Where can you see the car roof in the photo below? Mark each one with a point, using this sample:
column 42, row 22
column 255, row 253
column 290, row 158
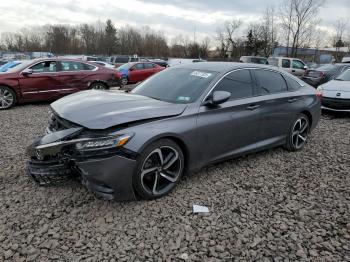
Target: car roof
column 223, row 67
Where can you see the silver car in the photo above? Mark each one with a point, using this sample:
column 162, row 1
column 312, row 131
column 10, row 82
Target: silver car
column 336, row 93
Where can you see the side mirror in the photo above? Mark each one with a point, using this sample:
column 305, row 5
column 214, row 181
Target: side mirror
column 27, row 71
column 305, row 67
column 131, row 69
column 217, row 98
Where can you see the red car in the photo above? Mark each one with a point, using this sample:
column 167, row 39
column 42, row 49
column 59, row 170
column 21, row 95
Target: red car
column 51, row 78
column 137, row 71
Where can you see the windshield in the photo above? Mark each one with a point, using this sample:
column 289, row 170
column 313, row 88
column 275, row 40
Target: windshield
column 20, row 66
column 345, row 76
column 9, row 65
column 176, row 85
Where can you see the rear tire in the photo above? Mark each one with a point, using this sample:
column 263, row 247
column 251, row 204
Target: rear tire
column 159, row 169
column 124, row 81
column 98, row 86
column 7, row 98
column 298, row 133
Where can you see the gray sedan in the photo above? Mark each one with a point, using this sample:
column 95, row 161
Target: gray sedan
column 139, row 145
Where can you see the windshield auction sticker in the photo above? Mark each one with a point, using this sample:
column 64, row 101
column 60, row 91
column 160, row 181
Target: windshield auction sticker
column 200, row 74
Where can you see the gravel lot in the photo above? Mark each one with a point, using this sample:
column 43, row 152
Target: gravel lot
column 273, row 205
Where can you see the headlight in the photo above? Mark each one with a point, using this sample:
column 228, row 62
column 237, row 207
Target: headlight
column 102, row 143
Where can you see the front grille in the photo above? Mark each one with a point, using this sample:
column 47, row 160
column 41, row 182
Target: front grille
column 336, row 103
column 45, row 174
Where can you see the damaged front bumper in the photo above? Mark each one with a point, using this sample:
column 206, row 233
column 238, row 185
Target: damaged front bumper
column 106, row 172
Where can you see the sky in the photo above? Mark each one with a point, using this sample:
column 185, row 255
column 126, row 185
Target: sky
column 170, row 17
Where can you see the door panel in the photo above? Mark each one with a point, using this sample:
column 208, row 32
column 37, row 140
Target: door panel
column 298, row 67
column 228, row 130
column 39, row 86
column 137, row 74
column 277, row 106
column 42, row 84
column 71, row 76
column 232, row 127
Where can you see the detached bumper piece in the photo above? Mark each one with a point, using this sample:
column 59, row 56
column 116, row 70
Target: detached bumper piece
column 48, row 174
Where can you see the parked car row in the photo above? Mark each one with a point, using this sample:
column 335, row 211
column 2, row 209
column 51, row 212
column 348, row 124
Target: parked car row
column 324, row 73
column 51, row 78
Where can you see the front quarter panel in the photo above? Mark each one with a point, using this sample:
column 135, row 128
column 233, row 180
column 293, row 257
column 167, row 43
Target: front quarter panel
column 180, row 128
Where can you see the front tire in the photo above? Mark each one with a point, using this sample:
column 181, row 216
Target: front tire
column 298, row 133
column 98, row 86
column 7, row 98
column 159, row 169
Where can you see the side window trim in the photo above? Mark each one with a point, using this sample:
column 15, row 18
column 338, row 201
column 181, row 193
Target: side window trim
column 223, row 76
column 53, row 72
column 253, row 83
column 270, row 70
column 64, row 71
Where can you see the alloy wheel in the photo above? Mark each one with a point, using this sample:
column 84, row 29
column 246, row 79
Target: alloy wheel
column 160, row 170
column 98, row 87
column 124, row 81
column 300, row 132
column 6, row 98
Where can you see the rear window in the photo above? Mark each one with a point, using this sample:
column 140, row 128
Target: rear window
column 121, row 60
column 328, row 67
column 262, row 61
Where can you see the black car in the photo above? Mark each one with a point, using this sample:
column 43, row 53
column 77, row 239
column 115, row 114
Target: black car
column 324, row 73
column 139, row 145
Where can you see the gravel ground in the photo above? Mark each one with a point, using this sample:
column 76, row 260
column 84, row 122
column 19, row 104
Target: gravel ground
column 270, row 206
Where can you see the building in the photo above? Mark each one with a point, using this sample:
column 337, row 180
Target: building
column 321, row 55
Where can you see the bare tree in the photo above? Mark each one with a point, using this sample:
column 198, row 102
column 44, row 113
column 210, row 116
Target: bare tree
column 338, row 38
column 227, row 37
column 297, row 20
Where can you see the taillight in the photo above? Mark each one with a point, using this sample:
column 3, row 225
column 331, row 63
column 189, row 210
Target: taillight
column 118, row 76
column 319, row 94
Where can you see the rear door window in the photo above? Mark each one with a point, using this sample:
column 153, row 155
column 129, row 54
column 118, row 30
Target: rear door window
column 270, row 82
column 238, row 83
column 149, row 65
column 138, row 66
column 285, row 63
column 71, row 66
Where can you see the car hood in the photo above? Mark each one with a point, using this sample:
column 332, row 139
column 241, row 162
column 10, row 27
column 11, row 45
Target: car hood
column 95, row 109
column 336, row 85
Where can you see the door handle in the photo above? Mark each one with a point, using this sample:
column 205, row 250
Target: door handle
column 292, row 100
column 252, row 107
